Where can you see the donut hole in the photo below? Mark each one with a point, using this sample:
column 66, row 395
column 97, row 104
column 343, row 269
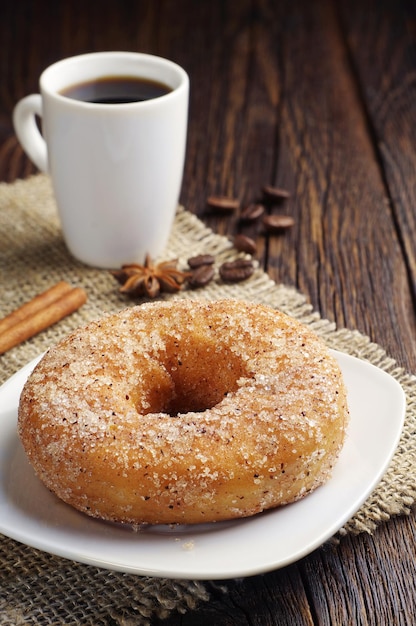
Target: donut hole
column 200, row 374
column 201, row 377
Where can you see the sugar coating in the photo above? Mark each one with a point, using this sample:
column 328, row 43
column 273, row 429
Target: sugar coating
column 185, row 412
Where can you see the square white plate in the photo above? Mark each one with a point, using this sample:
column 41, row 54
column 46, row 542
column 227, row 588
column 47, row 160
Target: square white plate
column 32, row 515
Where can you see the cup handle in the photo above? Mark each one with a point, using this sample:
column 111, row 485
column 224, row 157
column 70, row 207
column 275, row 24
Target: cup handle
column 27, row 130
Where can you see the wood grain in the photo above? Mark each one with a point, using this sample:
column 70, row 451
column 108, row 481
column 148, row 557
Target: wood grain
column 319, row 98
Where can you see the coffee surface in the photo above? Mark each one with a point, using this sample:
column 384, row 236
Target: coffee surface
column 116, row 90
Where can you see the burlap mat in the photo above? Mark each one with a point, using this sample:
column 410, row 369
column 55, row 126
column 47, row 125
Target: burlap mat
column 37, row 588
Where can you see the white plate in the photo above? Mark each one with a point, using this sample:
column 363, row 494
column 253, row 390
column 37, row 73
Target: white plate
column 30, row 514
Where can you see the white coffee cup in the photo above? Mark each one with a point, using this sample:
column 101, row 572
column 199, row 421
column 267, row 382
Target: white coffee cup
column 116, row 169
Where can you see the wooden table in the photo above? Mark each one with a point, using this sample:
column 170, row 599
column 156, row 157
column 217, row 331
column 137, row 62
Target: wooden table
column 318, row 97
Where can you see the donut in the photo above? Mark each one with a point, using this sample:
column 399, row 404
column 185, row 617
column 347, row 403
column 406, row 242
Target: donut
column 184, row 412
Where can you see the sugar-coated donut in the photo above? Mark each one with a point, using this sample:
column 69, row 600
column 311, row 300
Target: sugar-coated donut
column 184, row 411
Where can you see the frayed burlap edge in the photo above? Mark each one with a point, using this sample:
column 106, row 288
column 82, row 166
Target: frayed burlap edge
column 32, row 258
column 38, row 588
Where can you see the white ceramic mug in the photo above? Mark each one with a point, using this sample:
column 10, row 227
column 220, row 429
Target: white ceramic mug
column 116, row 169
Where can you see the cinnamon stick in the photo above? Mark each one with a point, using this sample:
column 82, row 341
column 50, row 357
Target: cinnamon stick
column 42, row 318
column 36, row 304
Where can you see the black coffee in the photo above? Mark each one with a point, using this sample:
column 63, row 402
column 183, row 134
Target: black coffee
column 116, row 90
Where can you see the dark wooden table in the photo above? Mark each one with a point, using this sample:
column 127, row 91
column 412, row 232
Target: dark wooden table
column 318, row 97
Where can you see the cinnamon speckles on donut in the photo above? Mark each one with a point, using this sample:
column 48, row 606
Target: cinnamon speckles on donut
column 185, row 412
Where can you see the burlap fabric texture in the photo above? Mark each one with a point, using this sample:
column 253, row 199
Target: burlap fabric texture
column 37, row 588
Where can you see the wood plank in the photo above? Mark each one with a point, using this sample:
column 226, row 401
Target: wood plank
column 385, row 69
column 374, row 591
column 344, row 242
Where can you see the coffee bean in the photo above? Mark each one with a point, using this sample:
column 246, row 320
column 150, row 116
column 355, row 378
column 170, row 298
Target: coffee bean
column 252, row 212
column 223, row 203
column 243, row 243
column 201, row 276
column 236, row 271
column 277, row 223
column 275, row 193
column 200, row 259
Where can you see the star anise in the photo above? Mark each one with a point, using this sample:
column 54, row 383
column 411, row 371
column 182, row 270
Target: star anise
column 150, row 279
